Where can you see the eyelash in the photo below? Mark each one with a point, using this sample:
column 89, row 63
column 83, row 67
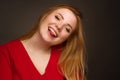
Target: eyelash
column 57, row 17
column 68, row 30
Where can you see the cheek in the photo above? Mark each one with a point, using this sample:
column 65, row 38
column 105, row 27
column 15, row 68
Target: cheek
column 64, row 36
column 50, row 19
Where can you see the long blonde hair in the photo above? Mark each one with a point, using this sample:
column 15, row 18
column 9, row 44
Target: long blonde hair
column 72, row 59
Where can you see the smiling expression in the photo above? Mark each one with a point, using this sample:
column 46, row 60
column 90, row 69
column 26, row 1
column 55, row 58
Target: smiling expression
column 56, row 27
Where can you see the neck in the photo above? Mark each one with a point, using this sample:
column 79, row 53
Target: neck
column 37, row 44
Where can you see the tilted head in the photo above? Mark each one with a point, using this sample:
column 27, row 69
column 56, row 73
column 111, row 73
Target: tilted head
column 73, row 20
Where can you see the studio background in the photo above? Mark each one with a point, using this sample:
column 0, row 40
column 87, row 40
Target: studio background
column 100, row 24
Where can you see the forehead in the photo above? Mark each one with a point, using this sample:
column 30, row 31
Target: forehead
column 64, row 11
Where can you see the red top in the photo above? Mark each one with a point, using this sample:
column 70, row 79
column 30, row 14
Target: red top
column 15, row 64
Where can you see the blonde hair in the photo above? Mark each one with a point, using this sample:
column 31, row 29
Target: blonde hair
column 72, row 59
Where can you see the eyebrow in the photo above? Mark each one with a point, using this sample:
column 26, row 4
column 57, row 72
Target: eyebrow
column 63, row 19
column 61, row 15
column 69, row 26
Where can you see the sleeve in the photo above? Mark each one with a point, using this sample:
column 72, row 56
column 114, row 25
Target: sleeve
column 5, row 66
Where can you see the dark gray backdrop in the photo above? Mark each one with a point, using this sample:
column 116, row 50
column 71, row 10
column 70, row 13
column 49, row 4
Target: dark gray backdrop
column 101, row 27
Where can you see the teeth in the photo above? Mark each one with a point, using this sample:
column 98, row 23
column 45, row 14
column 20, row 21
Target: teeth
column 55, row 35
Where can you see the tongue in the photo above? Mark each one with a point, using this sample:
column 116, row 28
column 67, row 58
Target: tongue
column 51, row 33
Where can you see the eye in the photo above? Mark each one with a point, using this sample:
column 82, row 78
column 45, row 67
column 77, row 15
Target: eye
column 56, row 16
column 68, row 30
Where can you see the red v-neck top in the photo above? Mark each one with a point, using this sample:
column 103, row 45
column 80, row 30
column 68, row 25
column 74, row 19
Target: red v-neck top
column 15, row 64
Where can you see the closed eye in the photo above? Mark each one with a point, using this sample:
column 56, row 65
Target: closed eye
column 68, row 30
column 57, row 17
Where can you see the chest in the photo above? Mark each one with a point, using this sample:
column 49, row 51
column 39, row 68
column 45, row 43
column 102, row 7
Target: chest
column 42, row 68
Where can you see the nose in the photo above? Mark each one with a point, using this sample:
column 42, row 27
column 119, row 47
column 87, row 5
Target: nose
column 59, row 27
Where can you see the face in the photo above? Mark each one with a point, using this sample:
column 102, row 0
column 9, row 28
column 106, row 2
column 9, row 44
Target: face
column 57, row 26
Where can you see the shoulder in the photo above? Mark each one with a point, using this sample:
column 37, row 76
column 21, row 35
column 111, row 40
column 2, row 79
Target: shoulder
column 9, row 45
column 9, row 49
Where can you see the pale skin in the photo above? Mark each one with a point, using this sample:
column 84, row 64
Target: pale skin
column 53, row 30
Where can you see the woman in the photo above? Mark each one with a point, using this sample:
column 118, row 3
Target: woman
column 52, row 50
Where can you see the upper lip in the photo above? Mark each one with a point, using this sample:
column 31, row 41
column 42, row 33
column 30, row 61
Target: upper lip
column 55, row 32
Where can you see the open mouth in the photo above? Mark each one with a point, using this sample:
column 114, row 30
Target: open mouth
column 52, row 32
